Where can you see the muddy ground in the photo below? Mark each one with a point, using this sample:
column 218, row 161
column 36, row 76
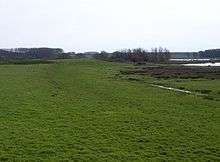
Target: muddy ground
column 176, row 72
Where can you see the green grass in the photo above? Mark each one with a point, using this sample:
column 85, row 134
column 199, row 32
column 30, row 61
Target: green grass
column 25, row 62
column 78, row 110
column 208, row 87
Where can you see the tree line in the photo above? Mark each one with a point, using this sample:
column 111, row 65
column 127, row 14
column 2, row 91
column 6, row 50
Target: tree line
column 31, row 53
column 127, row 55
column 137, row 55
column 155, row 55
column 212, row 54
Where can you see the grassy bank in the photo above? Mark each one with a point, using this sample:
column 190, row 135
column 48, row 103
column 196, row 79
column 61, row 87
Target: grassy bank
column 80, row 110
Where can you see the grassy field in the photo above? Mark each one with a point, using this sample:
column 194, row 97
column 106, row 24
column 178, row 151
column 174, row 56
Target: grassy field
column 80, row 110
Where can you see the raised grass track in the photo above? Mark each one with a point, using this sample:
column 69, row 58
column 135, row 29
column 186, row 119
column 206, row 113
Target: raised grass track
column 78, row 110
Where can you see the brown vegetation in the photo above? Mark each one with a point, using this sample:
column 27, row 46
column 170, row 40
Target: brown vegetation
column 177, row 72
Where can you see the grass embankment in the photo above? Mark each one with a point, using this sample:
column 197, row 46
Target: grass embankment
column 80, row 110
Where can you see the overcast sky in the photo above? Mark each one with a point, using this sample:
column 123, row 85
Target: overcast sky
column 87, row 25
